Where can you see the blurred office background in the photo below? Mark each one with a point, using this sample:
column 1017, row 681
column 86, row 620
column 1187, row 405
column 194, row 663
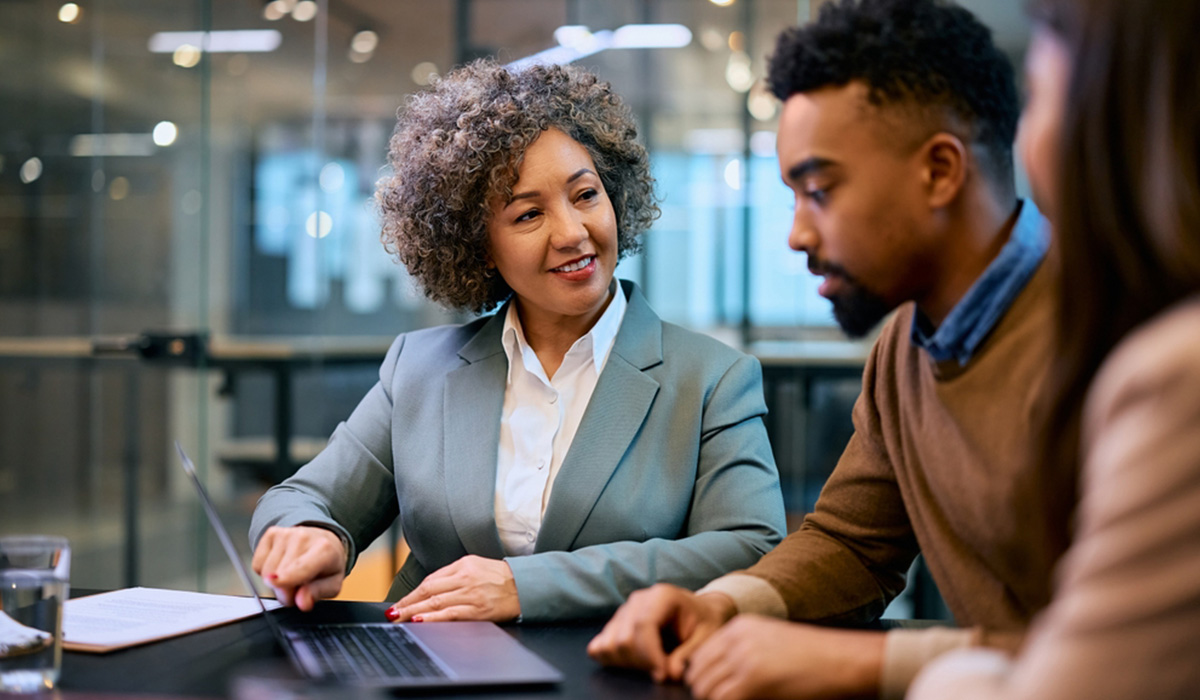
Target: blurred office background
column 188, row 248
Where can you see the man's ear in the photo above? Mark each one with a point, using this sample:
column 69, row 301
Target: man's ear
column 946, row 160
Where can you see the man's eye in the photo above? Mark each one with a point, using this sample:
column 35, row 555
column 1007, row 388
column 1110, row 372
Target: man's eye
column 817, row 195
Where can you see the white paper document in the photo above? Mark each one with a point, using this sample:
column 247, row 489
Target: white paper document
column 131, row 616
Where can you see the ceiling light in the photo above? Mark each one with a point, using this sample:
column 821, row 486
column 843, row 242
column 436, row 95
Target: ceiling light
column 576, row 42
column 321, row 230
column 87, row 145
column 714, row 142
column 424, row 73
column 31, row 170
column 165, row 133
column 577, row 37
column 762, row 144
column 364, row 41
column 651, row 36
column 761, row 104
column 722, row 3
column 231, row 41
column 712, row 39
column 304, row 10
column 332, row 177
column 277, row 9
column 186, row 56
column 273, row 11
column 68, row 13
column 733, row 174
column 118, row 189
column 738, row 72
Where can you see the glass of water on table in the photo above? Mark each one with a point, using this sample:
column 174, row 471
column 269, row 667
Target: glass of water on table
column 34, row 582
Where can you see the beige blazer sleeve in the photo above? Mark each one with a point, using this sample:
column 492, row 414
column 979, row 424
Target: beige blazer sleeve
column 1125, row 619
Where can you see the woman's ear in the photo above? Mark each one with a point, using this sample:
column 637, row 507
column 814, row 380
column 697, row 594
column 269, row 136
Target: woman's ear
column 945, row 168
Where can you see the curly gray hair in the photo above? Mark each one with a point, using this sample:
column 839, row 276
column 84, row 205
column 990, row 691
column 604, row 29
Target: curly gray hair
column 458, row 147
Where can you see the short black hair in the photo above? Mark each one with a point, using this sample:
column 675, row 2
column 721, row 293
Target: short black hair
column 923, row 53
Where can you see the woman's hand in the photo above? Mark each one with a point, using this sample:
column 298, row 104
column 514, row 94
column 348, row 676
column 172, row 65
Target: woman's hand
column 472, row 588
column 302, row 564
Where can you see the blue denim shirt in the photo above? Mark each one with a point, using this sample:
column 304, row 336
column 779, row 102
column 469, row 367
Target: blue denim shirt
column 976, row 314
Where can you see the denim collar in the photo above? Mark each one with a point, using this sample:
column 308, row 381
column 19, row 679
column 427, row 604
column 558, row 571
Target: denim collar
column 980, row 309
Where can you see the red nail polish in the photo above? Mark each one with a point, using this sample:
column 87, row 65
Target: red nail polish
column 392, row 614
column 418, row 618
column 272, row 576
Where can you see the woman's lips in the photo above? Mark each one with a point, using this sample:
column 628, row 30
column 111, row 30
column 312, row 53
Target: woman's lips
column 577, row 275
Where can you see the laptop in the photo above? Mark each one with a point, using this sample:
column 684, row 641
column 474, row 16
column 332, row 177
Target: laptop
column 392, row 655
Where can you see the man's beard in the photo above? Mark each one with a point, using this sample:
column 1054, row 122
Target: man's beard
column 858, row 310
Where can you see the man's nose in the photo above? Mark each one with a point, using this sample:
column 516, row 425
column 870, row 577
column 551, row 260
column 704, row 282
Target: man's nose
column 803, row 236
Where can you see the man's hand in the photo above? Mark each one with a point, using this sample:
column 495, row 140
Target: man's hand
column 303, row 564
column 760, row 657
column 472, row 588
column 633, row 637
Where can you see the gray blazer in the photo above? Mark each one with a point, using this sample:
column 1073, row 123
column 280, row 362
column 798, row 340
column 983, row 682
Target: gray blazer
column 670, row 476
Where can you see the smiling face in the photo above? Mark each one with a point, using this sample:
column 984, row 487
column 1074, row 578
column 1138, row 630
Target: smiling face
column 555, row 241
column 1047, row 68
column 859, row 202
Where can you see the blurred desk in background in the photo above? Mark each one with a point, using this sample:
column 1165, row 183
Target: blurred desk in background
column 810, row 388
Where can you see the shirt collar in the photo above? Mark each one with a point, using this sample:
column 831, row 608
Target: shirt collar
column 980, row 309
column 597, row 342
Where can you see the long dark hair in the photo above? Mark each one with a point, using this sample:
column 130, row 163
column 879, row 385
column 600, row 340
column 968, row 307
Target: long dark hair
column 1127, row 228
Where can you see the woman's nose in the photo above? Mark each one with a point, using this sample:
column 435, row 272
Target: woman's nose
column 570, row 231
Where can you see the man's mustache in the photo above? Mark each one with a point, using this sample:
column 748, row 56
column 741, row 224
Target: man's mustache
column 825, row 268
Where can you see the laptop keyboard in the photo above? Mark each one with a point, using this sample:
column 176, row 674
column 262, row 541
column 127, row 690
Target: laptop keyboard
column 370, row 653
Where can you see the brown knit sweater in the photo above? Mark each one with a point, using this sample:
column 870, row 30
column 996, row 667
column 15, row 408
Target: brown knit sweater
column 939, row 463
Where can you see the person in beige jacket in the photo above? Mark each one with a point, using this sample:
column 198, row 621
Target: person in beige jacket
column 1111, row 138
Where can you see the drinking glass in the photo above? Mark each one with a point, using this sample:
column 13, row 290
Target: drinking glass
column 34, row 582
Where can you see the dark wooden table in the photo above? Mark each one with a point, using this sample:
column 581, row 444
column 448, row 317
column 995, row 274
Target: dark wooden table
column 207, row 664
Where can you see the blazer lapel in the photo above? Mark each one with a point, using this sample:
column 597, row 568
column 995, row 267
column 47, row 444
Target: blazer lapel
column 472, row 405
column 618, row 407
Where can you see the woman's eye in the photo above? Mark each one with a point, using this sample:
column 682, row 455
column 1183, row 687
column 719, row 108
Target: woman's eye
column 588, row 194
column 527, row 216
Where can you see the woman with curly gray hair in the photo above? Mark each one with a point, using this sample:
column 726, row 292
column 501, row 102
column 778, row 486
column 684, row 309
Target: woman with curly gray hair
column 549, row 459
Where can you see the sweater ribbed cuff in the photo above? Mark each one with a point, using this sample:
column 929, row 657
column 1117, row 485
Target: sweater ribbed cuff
column 750, row 594
column 905, row 652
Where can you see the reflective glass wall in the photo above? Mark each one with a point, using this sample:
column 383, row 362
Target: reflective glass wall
column 188, row 249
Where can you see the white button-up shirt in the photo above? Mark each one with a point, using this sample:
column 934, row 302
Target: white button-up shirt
column 540, row 419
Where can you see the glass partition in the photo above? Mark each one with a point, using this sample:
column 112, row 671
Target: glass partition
column 189, row 251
